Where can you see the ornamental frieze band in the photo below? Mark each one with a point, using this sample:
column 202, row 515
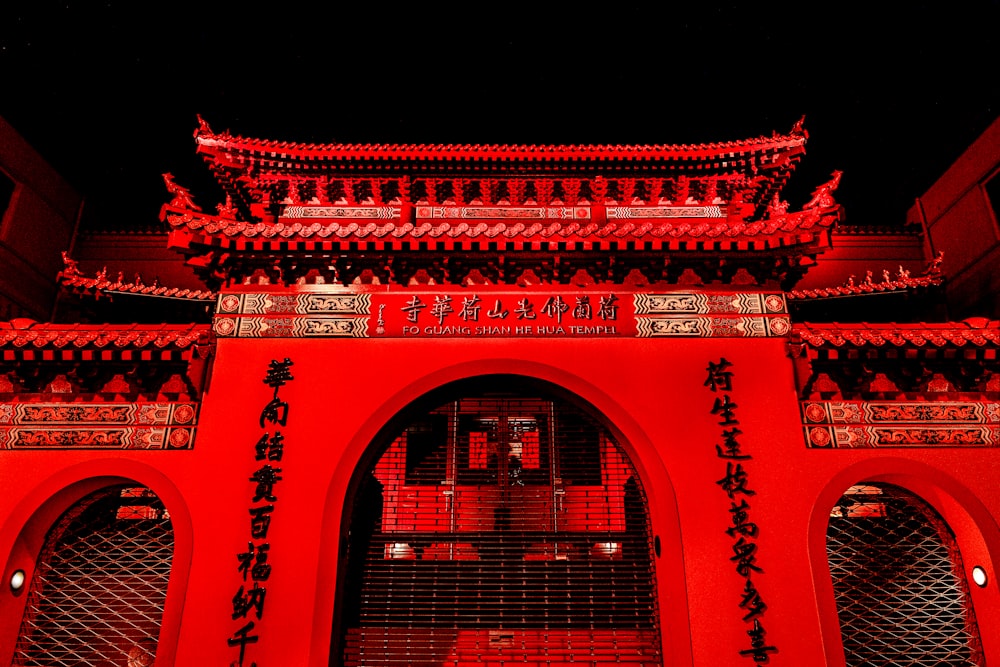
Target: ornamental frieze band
column 103, row 413
column 96, row 438
column 300, row 304
column 702, row 303
column 714, row 327
column 504, row 212
column 97, row 425
column 852, row 424
column 853, row 437
column 343, row 212
column 858, row 412
column 666, row 212
column 291, row 327
column 295, row 212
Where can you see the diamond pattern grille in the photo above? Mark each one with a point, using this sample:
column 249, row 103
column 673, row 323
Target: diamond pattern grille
column 501, row 530
column 97, row 595
column 900, row 589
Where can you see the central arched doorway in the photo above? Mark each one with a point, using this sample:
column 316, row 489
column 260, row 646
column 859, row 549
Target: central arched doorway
column 499, row 521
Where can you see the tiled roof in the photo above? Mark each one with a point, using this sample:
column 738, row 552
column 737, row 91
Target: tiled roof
column 24, row 333
column 266, row 172
column 977, row 332
column 211, row 142
column 898, row 284
column 100, row 284
column 719, row 233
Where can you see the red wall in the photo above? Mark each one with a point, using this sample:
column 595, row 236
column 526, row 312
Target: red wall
column 651, row 393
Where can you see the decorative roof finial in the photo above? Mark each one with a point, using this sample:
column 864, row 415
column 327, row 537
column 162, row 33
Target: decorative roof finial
column 799, row 129
column 203, row 127
column 182, row 196
column 934, row 268
column 823, row 195
column 777, row 207
column 227, row 209
column 70, row 268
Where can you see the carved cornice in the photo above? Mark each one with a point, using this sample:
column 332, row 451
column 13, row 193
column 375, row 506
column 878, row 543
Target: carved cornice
column 73, row 389
column 100, row 386
column 919, row 385
column 607, row 245
column 920, row 362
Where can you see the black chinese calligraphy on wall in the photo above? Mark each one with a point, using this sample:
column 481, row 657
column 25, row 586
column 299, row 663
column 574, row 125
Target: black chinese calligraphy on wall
column 736, row 485
column 252, row 564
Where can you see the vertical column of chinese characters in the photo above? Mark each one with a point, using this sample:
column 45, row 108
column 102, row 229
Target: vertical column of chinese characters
column 252, row 565
column 736, row 487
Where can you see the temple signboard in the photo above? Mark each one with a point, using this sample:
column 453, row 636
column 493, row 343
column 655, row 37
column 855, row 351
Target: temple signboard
column 486, row 312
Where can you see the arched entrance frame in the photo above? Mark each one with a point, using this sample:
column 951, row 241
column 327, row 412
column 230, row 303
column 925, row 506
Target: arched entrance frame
column 975, row 528
column 659, row 490
column 23, row 536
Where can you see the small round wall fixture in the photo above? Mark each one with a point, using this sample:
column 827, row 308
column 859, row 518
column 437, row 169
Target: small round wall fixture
column 979, row 576
column 16, row 581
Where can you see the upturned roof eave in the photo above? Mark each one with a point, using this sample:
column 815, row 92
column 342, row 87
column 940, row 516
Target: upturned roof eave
column 228, row 149
column 802, row 228
column 27, row 334
column 977, row 332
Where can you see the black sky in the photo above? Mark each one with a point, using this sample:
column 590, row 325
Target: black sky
column 109, row 91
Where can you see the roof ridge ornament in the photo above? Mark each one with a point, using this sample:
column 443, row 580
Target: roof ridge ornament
column 777, row 207
column 228, row 209
column 182, row 196
column 70, row 267
column 203, row 127
column 823, row 195
column 798, row 129
column 934, row 267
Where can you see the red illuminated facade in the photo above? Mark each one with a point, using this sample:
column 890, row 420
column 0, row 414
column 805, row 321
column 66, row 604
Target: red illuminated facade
column 543, row 405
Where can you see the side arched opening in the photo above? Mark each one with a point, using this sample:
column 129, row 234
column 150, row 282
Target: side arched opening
column 899, row 581
column 497, row 520
column 99, row 585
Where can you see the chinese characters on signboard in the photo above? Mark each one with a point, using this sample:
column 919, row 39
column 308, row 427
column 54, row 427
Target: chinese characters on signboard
column 252, row 564
column 736, row 486
column 584, row 314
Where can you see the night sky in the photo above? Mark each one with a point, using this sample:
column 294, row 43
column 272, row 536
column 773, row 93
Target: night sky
column 109, row 91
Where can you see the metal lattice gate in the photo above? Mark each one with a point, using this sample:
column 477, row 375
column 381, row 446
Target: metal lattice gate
column 98, row 591
column 501, row 530
column 900, row 589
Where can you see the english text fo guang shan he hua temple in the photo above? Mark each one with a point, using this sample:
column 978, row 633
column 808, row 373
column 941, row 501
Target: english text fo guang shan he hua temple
column 511, row 405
